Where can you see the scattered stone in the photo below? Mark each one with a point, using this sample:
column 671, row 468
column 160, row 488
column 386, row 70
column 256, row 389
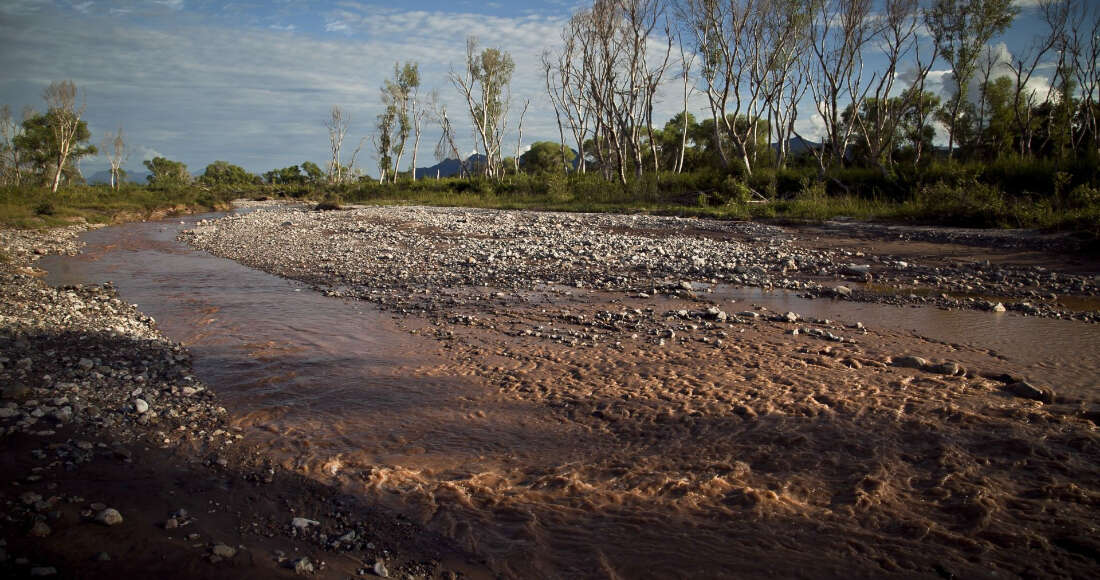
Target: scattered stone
column 947, row 368
column 109, row 517
column 998, row 307
column 86, row 364
column 380, row 569
column 171, row 524
column 141, row 406
column 842, row 291
column 40, row 571
column 224, row 551
column 303, row 566
column 40, row 529
column 1027, row 390
column 303, row 523
column 910, row 362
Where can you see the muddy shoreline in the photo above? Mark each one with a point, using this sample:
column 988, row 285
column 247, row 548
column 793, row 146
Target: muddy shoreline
column 700, row 436
column 100, row 412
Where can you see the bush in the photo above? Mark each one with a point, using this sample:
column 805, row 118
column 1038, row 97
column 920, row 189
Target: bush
column 45, row 208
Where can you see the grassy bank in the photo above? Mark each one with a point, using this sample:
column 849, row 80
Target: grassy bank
column 26, row 207
column 997, row 196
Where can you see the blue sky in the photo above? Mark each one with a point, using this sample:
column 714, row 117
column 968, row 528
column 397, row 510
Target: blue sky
column 252, row 82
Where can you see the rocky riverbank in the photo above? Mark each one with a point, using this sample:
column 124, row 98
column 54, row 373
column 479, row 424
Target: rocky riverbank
column 120, row 463
column 395, row 256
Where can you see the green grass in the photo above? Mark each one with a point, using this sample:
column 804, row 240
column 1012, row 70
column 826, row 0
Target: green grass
column 25, row 207
column 953, row 198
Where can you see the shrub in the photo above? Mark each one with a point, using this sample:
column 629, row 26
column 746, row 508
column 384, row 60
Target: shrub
column 45, row 208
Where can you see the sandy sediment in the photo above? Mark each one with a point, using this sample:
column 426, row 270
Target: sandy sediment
column 119, row 463
column 698, row 437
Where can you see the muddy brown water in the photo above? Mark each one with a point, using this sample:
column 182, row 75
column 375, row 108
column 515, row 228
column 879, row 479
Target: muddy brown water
column 339, row 390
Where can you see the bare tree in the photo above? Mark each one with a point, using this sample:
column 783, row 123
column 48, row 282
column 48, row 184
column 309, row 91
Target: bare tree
column 400, row 95
column 686, row 65
column 446, row 144
column 1084, row 57
column 786, row 69
column 64, row 118
column 337, row 126
column 567, row 82
column 9, row 153
column 419, row 113
column 117, row 154
column 840, row 31
column 519, row 136
column 606, row 78
column 733, row 38
column 486, row 85
column 881, row 114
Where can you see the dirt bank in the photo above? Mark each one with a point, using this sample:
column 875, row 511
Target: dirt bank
column 100, row 417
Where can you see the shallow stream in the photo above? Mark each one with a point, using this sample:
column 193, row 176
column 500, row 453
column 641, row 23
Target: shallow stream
column 330, row 383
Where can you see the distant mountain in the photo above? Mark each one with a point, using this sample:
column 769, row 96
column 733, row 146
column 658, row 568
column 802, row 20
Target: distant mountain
column 449, row 167
column 105, row 177
column 798, row 146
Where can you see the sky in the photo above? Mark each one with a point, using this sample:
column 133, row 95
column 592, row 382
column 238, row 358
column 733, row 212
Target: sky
column 252, row 83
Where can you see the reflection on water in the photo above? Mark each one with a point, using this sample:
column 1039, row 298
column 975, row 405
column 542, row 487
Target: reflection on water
column 666, row 479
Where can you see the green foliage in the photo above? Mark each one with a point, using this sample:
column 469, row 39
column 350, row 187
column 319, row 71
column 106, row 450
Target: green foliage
column 164, row 172
column 37, row 146
column 546, row 157
column 313, row 172
column 224, row 173
column 45, row 208
column 286, row 176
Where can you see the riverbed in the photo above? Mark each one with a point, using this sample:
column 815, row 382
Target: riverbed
column 627, row 406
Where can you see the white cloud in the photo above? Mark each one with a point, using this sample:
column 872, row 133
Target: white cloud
column 337, row 26
column 286, row 28
column 83, row 7
column 811, row 127
column 173, row 4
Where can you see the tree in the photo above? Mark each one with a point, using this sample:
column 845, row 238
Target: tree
column 9, row 154
column 446, row 147
column 401, row 116
column 961, row 29
column 225, row 173
column 337, row 126
column 545, row 157
column 840, row 31
column 287, row 175
column 64, row 118
column 383, row 140
column 164, row 172
column 313, row 172
column 879, row 121
column 486, row 85
column 115, row 147
column 37, row 146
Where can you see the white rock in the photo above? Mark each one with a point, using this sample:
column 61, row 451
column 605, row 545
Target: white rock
column 141, row 406
column 303, row 523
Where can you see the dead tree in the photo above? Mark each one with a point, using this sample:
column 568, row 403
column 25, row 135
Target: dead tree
column 117, row 154
column 337, row 126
